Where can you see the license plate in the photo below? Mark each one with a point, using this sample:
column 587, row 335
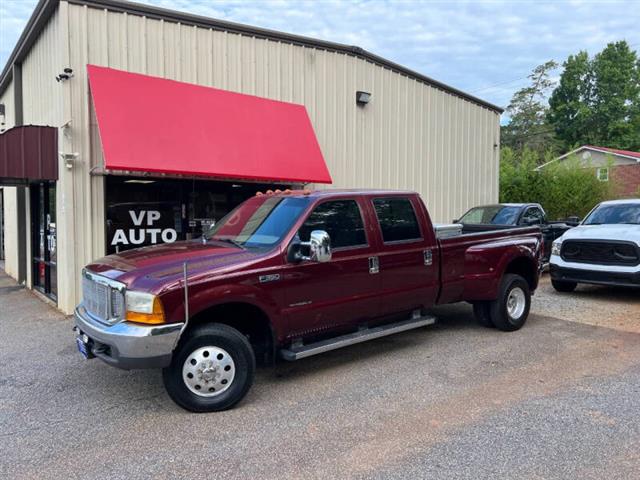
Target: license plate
column 83, row 348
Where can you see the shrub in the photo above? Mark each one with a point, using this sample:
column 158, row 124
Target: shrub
column 563, row 189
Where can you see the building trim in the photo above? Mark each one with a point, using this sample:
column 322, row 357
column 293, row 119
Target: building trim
column 593, row 149
column 45, row 9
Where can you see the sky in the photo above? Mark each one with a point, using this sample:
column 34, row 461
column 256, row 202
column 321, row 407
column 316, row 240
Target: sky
column 485, row 48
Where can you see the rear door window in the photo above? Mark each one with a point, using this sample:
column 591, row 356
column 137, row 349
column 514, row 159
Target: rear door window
column 397, row 219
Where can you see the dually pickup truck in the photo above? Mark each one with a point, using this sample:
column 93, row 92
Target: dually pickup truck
column 293, row 274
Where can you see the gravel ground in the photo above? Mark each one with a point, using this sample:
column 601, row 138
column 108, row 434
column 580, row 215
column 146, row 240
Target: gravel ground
column 611, row 307
column 558, row 399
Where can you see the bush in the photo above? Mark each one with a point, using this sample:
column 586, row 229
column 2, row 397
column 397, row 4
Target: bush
column 562, row 188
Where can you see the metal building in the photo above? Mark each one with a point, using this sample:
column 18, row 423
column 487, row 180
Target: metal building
column 378, row 124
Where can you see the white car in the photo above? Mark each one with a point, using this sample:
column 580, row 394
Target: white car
column 604, row 249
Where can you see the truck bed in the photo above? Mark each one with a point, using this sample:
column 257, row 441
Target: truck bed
column 469, row 261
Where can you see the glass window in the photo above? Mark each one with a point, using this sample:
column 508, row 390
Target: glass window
column 341, row 219
column 491, row 215
column 603, row 174
column 397, row 219
column 260, row 222
column 533, row 216
column 628, row 213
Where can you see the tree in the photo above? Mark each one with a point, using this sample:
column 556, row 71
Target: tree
column 527, row 110
column 564, row 188
column 598, row 100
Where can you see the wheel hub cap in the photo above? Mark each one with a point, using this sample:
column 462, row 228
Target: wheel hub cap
column 208, row 371
column 516, row 303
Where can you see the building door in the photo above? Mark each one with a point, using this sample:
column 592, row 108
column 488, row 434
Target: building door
column 44, row 238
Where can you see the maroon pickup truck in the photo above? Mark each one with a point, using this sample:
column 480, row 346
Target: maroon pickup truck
column 290, row 275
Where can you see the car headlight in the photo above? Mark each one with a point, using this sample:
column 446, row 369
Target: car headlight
column 555, row 248
column 143, row 307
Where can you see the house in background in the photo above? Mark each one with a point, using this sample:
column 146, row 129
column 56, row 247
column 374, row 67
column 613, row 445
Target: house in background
column 620, row 167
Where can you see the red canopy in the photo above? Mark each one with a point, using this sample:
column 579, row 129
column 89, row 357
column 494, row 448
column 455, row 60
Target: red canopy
column 151, row 124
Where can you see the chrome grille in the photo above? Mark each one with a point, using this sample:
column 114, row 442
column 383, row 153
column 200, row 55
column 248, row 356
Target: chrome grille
column 101, row 300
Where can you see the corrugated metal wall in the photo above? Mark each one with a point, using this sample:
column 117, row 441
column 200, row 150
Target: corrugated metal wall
column 411, row 135
column 9, row 205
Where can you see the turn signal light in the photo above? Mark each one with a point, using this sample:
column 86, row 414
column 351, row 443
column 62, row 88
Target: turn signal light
column 155, row 317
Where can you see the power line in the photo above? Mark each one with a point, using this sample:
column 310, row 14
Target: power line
column 498, row 84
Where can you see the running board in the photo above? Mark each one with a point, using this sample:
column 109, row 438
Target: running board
column 296, row 352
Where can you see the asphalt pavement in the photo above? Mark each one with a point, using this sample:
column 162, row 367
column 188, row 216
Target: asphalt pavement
column 558, row 399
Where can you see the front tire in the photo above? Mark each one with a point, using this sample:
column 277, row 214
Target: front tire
column 211, row 370
column 564, row 287
column 510, row 310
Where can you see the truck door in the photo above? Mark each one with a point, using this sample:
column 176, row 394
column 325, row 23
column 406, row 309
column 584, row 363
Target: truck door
column 332, row 295
column 408, row 255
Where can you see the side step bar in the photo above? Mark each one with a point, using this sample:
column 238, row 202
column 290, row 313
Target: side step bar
column 296, row 352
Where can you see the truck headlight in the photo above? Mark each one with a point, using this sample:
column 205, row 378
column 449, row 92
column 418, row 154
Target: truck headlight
column 143, row 308
column 555, row 248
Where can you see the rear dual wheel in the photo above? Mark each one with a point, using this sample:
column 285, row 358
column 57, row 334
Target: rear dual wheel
column 510, row 310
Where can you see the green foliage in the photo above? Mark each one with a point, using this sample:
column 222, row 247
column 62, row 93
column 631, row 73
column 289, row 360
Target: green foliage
column 527, row 110
column 563, row 188
column 597, row 101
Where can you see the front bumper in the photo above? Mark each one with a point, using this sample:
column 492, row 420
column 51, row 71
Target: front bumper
column 598, row 277
column 128, row 345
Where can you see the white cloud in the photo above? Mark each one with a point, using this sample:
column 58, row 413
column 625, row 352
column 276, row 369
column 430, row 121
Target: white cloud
column 469, row 45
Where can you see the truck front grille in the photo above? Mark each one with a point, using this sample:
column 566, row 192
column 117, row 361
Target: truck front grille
column 601, row 252
column 101, row 300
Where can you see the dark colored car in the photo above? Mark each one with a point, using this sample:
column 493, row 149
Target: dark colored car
column 291, row 275
column 504, row 216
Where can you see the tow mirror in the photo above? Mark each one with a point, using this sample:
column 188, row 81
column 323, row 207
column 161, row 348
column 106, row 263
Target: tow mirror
column 319, row 248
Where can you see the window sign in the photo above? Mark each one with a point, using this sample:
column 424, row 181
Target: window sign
column 143, row 212
column 144, row 230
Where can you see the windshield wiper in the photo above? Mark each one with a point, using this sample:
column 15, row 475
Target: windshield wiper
column 231, row 241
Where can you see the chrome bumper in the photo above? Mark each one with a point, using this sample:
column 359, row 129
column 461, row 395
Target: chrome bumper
column 129, row 345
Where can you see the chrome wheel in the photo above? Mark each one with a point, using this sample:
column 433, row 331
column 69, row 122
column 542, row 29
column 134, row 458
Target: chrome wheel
column 208, row 371
column 516, row 303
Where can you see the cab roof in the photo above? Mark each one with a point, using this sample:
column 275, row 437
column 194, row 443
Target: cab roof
column 334, row 192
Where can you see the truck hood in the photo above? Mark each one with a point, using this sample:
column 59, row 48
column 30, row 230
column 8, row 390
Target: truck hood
column 148, row 267
column 604, row 232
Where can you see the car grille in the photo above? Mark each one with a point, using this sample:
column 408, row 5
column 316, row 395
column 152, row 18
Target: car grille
column 102, row 301
column 603, row 253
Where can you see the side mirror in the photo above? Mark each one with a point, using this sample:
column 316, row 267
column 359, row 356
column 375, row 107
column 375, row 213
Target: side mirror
column 319, row 246
column 455, row 220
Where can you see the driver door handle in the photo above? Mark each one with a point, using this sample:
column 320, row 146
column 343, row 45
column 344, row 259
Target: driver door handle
column 374, row 266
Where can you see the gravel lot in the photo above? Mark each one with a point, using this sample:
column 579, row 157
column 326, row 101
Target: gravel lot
column 558, row 399
column 610, row 307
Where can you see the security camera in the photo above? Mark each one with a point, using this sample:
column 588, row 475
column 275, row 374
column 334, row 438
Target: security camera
column 66, row 75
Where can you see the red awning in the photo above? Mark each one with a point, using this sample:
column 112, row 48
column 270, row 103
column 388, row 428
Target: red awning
column 28, row 154
column 150, row 124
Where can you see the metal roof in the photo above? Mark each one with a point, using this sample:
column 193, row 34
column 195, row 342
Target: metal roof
column 45, row 9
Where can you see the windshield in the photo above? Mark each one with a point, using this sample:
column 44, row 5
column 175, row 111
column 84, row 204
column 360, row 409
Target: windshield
column 493, row 214
column 614, row 214
column 260, row 222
